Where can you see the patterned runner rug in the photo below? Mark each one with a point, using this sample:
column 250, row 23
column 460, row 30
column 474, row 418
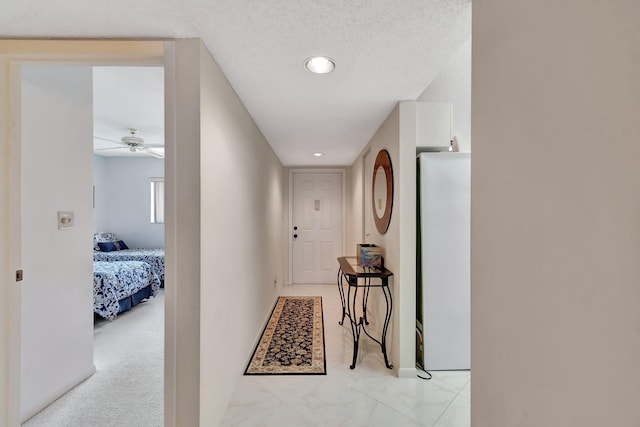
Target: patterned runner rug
column 293, row 340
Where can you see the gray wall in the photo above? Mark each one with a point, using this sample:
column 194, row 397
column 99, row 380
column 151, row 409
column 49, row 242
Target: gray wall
column 123, row 199
column 555, row 220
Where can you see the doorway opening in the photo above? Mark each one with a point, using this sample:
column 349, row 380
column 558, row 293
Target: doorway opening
column 81, row 55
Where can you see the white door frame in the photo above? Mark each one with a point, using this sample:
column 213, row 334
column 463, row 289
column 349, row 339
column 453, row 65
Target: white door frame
column 12, row 54
column 343, row 245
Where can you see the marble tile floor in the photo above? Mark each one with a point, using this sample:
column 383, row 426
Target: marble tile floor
column 369, row 395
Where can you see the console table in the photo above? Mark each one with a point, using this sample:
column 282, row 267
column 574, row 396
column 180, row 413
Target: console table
column 350, row 271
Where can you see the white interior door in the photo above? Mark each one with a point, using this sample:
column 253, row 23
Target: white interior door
column 316, row 233
column 56, row 350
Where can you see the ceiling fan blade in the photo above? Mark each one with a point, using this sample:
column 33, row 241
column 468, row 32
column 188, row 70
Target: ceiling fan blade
column 107, row 139
column 110, row 148
column 135, row 144
column 154, row 154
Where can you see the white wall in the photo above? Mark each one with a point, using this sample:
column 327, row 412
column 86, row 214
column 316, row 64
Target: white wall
column 10, row 252
column 123, row 199
column 453, row 85
column 398, row 136
column 242, row 197
column 57, row 315
column 354, row 208
column 226, row 185
column 555, row 217
column 182, row 216
column 406, row 214
column 101, row 204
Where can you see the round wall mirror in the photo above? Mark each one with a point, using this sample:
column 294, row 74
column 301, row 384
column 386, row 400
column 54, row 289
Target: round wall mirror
column 382, row 191
column 380, row 184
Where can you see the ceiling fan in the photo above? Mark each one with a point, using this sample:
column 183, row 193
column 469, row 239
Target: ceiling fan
column 134, row 144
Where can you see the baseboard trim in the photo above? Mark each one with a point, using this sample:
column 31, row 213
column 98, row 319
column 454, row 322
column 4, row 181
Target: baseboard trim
column 253, row 347
column 407, row 372
column 55, row 395
column 256, row 340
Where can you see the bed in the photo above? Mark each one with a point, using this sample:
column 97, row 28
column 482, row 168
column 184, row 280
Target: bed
column 118, row 286
column 120, row 252
column 153, row 257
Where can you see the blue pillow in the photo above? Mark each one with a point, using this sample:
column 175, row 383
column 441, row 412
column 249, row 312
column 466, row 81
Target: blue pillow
column 107, row 246
column 121, row 245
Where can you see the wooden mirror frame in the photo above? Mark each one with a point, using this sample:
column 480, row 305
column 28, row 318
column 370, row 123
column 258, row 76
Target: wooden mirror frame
column 383, row 160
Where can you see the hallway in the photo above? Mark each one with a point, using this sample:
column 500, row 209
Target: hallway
column 370, row 395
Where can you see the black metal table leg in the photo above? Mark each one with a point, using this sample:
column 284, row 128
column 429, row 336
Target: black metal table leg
column 365, row 299
column 387, row 319
column 341, row 292
column 355, row 324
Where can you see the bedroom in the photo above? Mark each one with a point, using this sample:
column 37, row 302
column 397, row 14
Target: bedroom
column 128, row 186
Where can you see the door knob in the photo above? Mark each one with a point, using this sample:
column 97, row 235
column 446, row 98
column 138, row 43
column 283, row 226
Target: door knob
column 295, row 236
column 295, row 228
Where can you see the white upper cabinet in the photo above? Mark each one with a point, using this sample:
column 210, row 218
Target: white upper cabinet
column 433, row 126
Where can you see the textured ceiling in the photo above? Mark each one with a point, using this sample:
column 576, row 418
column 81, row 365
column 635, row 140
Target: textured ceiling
column 385, row 51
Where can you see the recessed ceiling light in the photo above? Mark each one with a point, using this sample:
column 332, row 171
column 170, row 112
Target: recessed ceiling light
column 319, row 64
column 318, row 154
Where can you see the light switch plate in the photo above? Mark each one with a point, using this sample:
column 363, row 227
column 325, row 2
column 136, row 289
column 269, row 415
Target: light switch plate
column 66, row 220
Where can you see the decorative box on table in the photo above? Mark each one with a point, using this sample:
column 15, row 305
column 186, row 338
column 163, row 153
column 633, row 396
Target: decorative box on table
column 369, row 255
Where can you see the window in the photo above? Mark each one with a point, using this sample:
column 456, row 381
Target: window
column 157, row 200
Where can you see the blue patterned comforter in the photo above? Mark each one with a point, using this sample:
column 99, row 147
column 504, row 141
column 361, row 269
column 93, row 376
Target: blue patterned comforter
column 113, row 281
column 153, row 257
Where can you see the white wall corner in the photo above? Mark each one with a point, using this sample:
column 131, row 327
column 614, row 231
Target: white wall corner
column 406, row 187
column 407, row 372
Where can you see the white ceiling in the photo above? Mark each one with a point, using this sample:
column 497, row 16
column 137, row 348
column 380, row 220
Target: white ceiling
column 385, row 51
column 125, row 98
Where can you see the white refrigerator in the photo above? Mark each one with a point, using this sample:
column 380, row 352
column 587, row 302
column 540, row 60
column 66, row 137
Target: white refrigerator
column 444, row 303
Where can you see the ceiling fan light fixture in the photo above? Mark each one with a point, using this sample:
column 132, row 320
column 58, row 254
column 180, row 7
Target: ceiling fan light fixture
column 319, row 64
column 132, row 140
column 133, row 144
